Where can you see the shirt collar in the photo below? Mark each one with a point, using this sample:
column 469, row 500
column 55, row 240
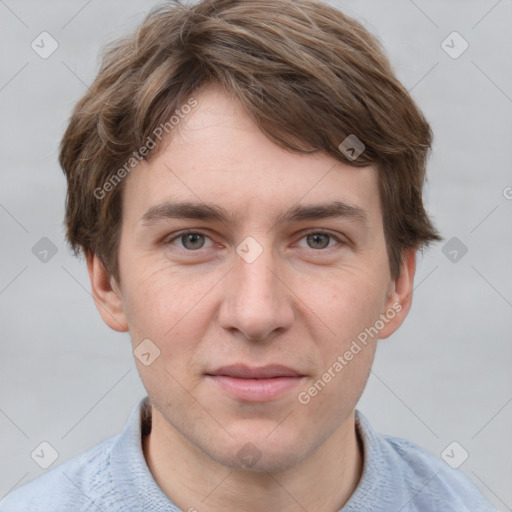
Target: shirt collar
column 134, row 481
column 130, row 472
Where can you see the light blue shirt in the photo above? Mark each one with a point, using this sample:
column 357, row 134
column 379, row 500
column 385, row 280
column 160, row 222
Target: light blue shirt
column 398, row 476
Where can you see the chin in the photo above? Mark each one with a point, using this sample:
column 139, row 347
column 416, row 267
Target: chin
column 255, row 453
column 252, row 445
column 257, row 459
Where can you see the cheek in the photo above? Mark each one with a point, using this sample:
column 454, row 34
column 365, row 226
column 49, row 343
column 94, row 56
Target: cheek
column 158, row 297
column 170, row 308
column 346, row 352
column 348, row 302
column 166, row 308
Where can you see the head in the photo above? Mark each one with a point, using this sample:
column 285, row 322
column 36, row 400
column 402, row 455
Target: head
column 248, row 110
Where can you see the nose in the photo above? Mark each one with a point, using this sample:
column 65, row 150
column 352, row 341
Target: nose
column 257, row 301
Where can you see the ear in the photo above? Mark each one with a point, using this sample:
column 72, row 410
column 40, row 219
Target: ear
column 399, row 298
column 106, row 294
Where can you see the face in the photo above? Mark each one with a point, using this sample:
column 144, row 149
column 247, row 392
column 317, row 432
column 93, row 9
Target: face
column 252, row 271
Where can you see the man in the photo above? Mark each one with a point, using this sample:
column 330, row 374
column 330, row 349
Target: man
column 245, row 181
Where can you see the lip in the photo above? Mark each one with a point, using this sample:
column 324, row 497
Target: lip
column 255, row 384
column 242, row 371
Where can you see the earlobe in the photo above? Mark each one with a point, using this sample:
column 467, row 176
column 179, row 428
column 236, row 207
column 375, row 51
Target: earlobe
column 106, row 294
column 399, row 299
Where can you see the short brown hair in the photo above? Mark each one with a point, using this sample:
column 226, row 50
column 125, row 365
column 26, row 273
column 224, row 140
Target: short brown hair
column 307, row 74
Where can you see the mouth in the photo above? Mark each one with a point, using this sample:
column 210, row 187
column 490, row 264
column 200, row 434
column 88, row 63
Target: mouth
column 255, row 384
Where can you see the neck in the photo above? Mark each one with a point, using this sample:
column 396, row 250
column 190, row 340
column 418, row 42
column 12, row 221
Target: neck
column 193, row 481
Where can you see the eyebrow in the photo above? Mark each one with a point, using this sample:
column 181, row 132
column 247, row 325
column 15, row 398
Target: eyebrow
column 212, row 212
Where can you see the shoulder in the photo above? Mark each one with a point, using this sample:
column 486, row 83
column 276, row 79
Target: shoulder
column 431, row 483
column 79, row 484
column 399, row 474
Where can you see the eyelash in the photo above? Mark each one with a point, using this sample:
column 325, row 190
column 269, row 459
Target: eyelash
column 312, row 232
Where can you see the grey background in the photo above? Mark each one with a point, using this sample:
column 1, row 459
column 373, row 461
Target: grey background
column 65, row 378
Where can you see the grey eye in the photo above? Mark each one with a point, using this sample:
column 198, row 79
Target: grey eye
column 318, row 240
column 192, row 241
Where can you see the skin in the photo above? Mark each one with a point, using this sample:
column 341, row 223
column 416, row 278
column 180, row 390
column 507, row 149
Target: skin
column 299, row 304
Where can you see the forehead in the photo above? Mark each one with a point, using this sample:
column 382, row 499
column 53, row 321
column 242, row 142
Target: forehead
column 217, row 155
